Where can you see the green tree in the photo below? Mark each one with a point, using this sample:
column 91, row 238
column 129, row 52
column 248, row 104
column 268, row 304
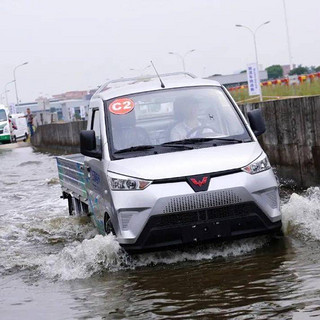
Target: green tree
column 299, row 70
column 275, row 71
column 317, row 69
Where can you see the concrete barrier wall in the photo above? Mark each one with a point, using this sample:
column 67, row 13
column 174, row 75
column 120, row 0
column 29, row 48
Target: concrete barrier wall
column 291, row 140
column 292, row 137
column 59, row 137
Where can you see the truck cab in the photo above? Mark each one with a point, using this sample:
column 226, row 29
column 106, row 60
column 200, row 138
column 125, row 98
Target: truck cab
column 174, row 165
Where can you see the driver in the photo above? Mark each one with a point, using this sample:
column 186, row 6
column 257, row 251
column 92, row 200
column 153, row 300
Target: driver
column 185, row 109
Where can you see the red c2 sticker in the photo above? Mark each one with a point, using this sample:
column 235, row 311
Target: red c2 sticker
column 121, row 106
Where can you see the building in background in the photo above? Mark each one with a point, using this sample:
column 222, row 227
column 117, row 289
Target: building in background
column 56, row 110
column 71, row 95
column 66, row 107
column 286, row 69
column 234, row 80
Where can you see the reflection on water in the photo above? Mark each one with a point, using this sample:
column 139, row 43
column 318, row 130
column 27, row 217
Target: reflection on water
column 56, row 267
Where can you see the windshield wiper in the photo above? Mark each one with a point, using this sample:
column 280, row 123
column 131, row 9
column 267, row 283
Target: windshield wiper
column 175, row 144
column 229, row 139
column 195, row 140
column 135, row 148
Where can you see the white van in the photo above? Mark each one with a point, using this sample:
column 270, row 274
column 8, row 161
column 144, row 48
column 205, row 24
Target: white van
column 5, row 125
column 19, row 127
column 171, row 163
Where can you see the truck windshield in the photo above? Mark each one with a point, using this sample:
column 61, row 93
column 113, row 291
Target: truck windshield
column 3, row 115
column 169, row 120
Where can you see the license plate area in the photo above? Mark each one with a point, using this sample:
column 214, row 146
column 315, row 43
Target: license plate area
column 207, row 230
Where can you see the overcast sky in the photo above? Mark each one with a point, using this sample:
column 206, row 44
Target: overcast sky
column 77, row 44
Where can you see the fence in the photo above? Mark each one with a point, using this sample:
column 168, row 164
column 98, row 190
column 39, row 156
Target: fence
column 59, row 137
column 292, row 138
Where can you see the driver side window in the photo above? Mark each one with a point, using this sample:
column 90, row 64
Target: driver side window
column 95, row 125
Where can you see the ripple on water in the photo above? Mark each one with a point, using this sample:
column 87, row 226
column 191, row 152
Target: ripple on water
column 31, row 162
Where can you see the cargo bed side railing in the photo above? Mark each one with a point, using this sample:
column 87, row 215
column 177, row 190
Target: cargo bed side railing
column 71, row 176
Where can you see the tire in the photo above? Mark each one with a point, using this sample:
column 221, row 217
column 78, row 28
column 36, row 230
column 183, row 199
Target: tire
column 108, row 227
column 70, row 206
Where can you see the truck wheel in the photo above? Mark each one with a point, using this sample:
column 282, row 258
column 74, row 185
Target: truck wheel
column 70, row 205
column 108, row 227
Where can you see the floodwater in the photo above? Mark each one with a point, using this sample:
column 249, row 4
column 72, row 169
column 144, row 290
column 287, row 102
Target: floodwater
column 56, row 267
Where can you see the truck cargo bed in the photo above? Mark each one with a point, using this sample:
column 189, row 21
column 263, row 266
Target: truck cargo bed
column 71, row 176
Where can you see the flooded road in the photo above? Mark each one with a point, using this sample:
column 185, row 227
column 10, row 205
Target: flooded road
column 56, row 267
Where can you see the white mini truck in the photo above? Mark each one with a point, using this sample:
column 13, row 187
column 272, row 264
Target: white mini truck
column 171, row 162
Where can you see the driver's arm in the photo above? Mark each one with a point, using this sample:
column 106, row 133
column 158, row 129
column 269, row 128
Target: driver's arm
column 178, row 133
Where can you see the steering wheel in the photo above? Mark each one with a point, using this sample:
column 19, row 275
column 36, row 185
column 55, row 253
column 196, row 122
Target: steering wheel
column 199, row 130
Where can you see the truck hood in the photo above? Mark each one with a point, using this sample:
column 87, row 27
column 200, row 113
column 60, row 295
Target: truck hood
column 188, row 162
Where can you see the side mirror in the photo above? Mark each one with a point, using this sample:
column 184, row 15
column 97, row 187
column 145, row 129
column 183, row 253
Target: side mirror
column 88, row 146
column 256, row 121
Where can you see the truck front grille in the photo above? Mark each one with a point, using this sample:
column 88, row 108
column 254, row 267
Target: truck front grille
column 202, row 200
column 214, row 214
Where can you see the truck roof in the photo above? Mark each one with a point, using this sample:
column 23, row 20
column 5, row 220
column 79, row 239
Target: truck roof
column 125, row 86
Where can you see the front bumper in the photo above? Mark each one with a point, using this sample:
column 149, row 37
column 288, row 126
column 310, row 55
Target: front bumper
column 169, row 214
column 209, row 225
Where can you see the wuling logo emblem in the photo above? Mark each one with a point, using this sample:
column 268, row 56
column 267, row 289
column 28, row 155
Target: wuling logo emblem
column 199, row 182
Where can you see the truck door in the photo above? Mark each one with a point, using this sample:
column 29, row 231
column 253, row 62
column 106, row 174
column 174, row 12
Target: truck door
column 95, row 177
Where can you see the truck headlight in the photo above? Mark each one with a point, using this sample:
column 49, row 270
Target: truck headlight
column 6, row 129
column 120, row 182
column 258, row 165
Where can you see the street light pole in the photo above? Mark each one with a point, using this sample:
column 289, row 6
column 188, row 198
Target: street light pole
column 1, row 97
column 182, row 57
column 6, row 93
column 255, row 48
column 5, row 90
column 15, row 80
column 288, row 37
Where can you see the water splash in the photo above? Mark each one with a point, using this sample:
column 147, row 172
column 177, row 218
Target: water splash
column 83, row 259
column 206, row 252
column 301, row 215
